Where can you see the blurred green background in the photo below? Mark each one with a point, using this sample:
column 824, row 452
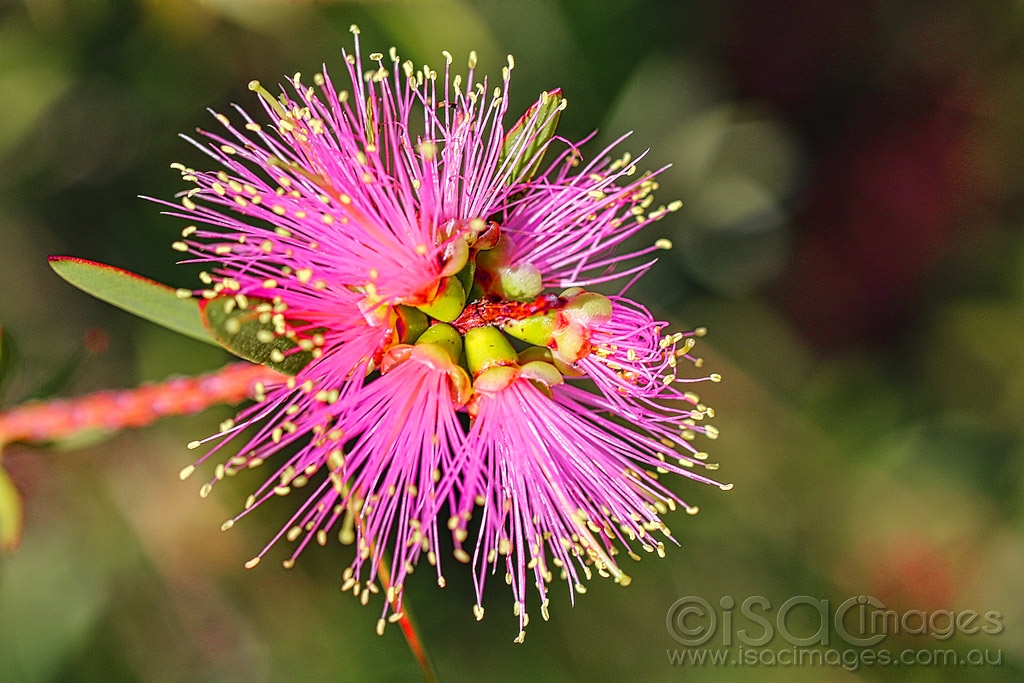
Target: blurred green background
column 851, row 236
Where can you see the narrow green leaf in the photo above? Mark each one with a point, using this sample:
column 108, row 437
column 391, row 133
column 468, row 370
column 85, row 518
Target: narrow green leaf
column 5, row 356
column 136, row 294
column 11, row 513
column 241, row 332
column 526, row 141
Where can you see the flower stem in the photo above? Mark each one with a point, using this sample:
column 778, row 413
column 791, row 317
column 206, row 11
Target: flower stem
column 408, row 626
column 40, row 422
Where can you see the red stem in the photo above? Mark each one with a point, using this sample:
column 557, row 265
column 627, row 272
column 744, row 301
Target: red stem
column 408, row 627
column 114, row 410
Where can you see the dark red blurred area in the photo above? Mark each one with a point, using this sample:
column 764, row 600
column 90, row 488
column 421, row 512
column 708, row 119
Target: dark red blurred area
column 882, row 212
column 888, row 116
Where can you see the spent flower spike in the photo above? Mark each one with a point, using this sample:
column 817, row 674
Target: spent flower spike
column 422, row 274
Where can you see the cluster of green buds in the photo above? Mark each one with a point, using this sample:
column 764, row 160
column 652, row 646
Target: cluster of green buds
column 484, row 301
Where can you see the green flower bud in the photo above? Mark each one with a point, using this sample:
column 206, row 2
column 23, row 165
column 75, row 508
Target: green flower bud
column 501, row 277
column 443, row 336
column 544, row 373
column 535, row 330
column 521, row 281
column 494, row 379
column 411, row 323
column 449, row 301
column 570, row 343
column 487, row 347
column 589, row 309
column 535, row 353
column 455, row 256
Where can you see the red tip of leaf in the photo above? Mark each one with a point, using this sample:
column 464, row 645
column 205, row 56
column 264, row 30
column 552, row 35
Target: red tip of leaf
column 103, row 266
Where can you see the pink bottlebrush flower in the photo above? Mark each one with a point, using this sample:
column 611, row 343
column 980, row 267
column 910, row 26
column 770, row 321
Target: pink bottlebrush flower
column 379, row 243
column 570, row 224
column 562, row 486
column 385, row 446
column 635, row 367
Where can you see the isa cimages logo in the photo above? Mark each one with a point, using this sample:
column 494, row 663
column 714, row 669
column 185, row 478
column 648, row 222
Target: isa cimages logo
column 808, row 631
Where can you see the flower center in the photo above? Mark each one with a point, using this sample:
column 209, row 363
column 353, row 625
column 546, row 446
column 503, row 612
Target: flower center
column 494, row 311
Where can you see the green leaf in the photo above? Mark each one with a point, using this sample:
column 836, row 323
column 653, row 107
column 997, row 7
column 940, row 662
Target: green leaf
column 6, row 349
column 136, row 294
column 11, row 513
column 526, row 142
column 241, row 332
